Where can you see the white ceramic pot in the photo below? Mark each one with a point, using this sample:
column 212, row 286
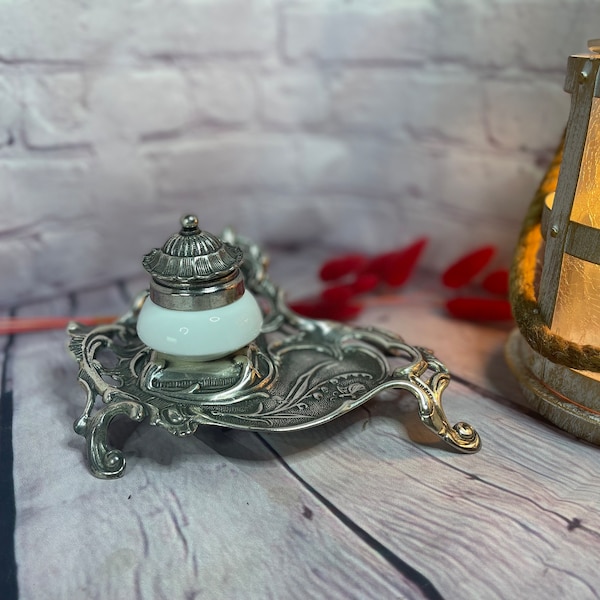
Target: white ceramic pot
column 203, row 334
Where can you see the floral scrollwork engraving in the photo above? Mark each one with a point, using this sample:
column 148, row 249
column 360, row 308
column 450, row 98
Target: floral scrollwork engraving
column 298, row 373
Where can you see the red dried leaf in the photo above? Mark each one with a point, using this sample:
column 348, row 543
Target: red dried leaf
column 341, row 312
column 339, row 267
column 379, row 265
column 365, row 282
column 319, row 309
column 395, row 268
column 402, row 265
column 307, row 308
column 338, row 294
column 479, row 309
column 496, row 282
column 464, row 270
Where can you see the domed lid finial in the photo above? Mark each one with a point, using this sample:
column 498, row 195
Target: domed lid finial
column 191, row 265
column 189, row 224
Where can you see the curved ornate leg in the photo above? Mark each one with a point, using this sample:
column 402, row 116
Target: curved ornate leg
column 461, row 436
column 81, row 424
column 105, row 462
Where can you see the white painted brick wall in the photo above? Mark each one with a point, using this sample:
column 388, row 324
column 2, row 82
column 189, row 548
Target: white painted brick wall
column 346, row 123
column 391, row 32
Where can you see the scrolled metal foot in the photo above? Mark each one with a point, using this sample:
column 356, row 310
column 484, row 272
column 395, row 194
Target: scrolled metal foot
column 106, row 462
column 426, row 378
column 428, row 391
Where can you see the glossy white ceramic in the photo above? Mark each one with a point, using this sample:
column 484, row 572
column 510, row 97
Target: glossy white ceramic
column 203, row 334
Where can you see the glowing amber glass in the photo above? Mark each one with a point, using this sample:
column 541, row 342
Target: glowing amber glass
column 577, row 311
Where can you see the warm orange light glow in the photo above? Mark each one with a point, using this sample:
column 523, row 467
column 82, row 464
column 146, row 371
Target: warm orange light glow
column 577, row 311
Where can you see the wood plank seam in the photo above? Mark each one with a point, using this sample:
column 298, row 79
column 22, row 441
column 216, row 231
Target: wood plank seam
column 8, row 565
column 416, row 577
column 474, row 387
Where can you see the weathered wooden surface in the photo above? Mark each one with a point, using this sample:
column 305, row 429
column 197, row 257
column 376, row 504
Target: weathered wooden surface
column 369, row 506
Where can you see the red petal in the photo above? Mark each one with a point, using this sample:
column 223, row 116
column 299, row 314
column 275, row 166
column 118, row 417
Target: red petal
column 319, row 309
column 365, row 282
column 403, row 263
column 469, row 266
column 479, row 309
column 379, row 265
column 306, row 308
column 342, row 312
column 394, row 268
column 341, row 266
column 496, row 282
column 338, row 294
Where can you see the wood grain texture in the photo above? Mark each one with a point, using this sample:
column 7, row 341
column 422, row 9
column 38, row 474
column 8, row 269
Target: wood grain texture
column 214, row 515
column 368, row 506
column 517, row 520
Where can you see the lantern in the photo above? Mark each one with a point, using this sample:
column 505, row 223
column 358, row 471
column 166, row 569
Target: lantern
column 555, row 279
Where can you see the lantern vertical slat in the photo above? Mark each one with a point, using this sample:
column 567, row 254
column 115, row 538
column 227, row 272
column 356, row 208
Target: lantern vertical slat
column 581, row 83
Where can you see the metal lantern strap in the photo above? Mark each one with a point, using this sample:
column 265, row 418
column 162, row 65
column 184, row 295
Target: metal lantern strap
column 556, row 354
column 572, row 252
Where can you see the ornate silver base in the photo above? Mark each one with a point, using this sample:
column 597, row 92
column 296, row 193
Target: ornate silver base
column 298, row 373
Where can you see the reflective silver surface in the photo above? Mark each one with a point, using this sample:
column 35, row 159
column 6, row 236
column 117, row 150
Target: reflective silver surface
column 298, row 373
column 194, row 270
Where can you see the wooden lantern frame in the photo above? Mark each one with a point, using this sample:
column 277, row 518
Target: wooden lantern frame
column 560, row 378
